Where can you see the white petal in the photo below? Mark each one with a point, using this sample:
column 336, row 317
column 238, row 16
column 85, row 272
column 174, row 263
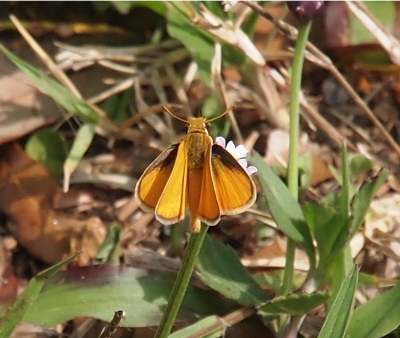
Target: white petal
column 251, row 170
column 220, row 141
column 243, row 163
column 231, row 148
column 240, row 151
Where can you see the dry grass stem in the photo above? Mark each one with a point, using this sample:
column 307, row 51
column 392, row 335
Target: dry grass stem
column 54, row 69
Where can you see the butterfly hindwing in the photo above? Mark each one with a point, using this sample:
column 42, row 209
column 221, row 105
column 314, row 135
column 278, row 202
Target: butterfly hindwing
column 234, row 188
column 209, row 211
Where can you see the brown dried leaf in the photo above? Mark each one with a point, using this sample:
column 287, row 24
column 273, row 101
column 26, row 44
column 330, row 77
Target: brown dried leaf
column 27, row 193
column 320, row 171
column 272, row 255
column 23, row 108
column 8, row 288
column 278, row 153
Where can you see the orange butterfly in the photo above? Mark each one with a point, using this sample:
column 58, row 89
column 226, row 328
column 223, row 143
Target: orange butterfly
column 198, row 175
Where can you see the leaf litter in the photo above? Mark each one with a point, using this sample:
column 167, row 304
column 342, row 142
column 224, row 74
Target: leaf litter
column 50, row 225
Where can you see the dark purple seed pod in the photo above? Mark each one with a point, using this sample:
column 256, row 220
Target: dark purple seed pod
column 305, row 11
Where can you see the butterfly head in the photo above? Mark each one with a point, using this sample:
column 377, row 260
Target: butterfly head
column 197, row 125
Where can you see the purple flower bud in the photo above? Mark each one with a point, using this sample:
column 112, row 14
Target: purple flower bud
column 305, row 11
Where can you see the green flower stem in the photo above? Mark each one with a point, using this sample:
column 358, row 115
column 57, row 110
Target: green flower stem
column 175, row 239
column 182, row 281
column 293, row 169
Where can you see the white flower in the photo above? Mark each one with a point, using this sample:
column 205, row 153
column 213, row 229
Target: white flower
column 239, row 153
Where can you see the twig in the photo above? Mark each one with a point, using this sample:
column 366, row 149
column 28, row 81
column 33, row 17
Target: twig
column 124, row 54
column 154, row 120
column 118, row 88
column 357, row 99
column 321, row 122
column 112, row 326
column 229, row 320
column 162, row 96
column 177, row 85
column 220, row 87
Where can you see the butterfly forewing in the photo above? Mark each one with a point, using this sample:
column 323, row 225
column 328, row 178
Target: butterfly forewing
column 173, row 201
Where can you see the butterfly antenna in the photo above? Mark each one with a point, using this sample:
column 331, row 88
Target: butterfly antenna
column 173, row 115
column 224, row 113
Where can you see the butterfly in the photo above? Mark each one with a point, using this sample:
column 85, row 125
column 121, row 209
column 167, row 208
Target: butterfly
column 195, row 175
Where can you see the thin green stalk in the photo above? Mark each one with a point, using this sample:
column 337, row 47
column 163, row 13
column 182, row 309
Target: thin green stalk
column 293, row 169
column 175, row 239
column 182, row 281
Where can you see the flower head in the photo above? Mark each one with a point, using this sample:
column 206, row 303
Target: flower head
column 239, row 153
column 305, row 11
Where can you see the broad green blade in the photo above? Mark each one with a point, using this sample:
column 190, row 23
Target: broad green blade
column 295, row 304
column 25, row 301
column 284, row 208
column 220, row 268
column 377, row 317
column 100, row 290
column 338, row 317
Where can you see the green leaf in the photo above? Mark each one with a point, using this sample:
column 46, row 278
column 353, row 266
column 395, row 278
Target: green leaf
column 295, row 304
column 200, row 326
column 339, row 314
column 372, row 281
column 158, row 7
column 359, row 165
column 198, row 41
column 342, row 265
column 216, row 8
column 284, row 208
column 109, row 250
column 346, row 186
column 305, row 164
column 363, row 198
column 330, row 230
column 377, row 317
column 82, row 141
column 47, row 146
column 123, row 6
column 383, row 11
column 200, row 46
column 220, row 268
column 100, row 290
column 116, row 106
column 59, row 93
column 25, row 301
column 101, row 6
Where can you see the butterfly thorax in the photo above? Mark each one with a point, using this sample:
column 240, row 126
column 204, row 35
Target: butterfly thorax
column 198, row 142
